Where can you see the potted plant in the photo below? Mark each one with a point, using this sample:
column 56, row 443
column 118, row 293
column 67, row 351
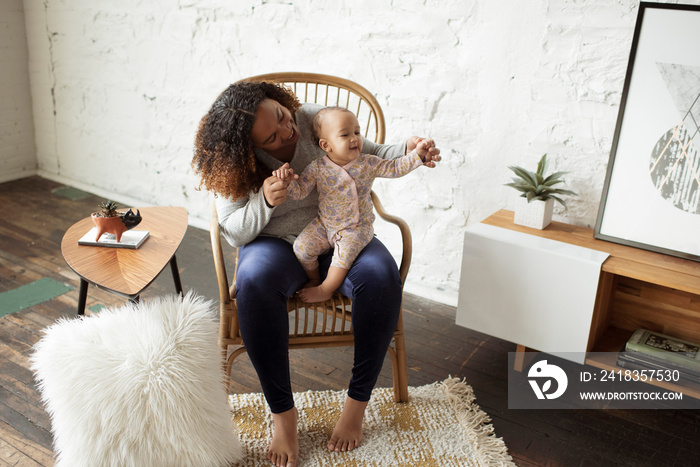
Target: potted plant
column 533, row 208
column 109, row 220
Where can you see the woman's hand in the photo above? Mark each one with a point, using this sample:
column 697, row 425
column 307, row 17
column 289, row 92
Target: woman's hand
column 275, row 191
column 433, row 154
column 275, row 186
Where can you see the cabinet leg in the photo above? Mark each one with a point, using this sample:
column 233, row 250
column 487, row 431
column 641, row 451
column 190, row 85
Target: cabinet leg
column 522, row 359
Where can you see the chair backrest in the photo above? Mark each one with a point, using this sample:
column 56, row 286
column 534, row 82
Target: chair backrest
column 328, row 90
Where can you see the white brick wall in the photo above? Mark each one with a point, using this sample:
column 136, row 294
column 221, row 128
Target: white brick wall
column 118, row 89
column 17, row 153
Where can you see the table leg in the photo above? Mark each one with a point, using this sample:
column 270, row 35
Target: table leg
column 82, row 296
column 176, row 275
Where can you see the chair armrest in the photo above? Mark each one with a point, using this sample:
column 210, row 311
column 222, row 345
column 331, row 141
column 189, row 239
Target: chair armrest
column 405, row 236
column 218, row 254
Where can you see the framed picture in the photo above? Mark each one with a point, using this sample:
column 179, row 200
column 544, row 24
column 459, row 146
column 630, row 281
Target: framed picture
column 651, row 196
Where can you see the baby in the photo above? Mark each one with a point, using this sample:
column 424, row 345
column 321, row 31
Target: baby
column 343, row 179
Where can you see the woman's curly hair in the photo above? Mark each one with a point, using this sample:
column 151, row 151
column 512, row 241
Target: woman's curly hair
column 223, row 149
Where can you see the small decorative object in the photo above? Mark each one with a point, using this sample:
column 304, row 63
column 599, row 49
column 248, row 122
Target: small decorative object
column 111, row 221
column 534, row 206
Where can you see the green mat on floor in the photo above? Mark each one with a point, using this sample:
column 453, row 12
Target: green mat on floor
column 31, row 294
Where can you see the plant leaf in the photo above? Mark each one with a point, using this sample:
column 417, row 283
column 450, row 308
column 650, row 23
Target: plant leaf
column 542, row 165
column 552, row 182
column 556, row 198
column 526, row 175
column 556, row 177
column 521, row 188
column 540, row 179
column 562, row 191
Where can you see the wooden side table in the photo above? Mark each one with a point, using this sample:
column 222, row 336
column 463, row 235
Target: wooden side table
column 123, row 271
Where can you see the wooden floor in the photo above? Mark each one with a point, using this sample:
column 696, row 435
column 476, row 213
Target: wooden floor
column 34, row 214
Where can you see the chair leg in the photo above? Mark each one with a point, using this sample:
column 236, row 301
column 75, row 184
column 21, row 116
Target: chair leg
column 228, row 364
column 400, row 369
column 226, row 367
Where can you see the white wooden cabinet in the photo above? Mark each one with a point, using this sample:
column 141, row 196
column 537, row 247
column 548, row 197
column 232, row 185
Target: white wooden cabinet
column 530, row 287
column 536, row 292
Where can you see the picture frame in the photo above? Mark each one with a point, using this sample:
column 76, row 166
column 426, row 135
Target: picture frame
column 651, row 195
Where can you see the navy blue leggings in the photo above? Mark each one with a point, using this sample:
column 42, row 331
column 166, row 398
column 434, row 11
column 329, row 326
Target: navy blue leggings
column 269, row 273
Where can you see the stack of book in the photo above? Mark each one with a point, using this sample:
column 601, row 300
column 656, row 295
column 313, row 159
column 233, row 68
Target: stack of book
column 648, row 350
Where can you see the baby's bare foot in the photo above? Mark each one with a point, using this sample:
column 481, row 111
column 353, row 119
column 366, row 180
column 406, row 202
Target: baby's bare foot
column 284, row 447
column 347, row 434
column 314, row 294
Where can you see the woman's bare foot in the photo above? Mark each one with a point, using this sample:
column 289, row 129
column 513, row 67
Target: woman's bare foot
column 284, row 447
column 347, row 434
column 315, row 294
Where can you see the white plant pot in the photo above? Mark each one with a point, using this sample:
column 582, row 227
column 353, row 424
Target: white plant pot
column 536, row 214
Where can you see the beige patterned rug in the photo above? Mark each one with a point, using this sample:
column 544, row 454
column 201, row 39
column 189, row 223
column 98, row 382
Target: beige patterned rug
column 441, row 425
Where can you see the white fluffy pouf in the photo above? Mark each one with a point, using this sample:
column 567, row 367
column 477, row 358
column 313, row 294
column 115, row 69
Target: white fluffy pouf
column 141, row 385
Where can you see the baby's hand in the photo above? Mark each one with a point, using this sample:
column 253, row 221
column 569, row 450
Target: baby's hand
column 428, row 152
column 285, row 173
column 433, row 153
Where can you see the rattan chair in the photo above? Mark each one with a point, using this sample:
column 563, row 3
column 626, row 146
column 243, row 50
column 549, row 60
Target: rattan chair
column 328, row 323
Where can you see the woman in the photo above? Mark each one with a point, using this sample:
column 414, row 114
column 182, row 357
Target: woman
column 251, row 130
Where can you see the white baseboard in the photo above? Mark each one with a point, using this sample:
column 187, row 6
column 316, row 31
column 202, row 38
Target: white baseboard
column 17, row 174
column 430, row 293
column 120, row 197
